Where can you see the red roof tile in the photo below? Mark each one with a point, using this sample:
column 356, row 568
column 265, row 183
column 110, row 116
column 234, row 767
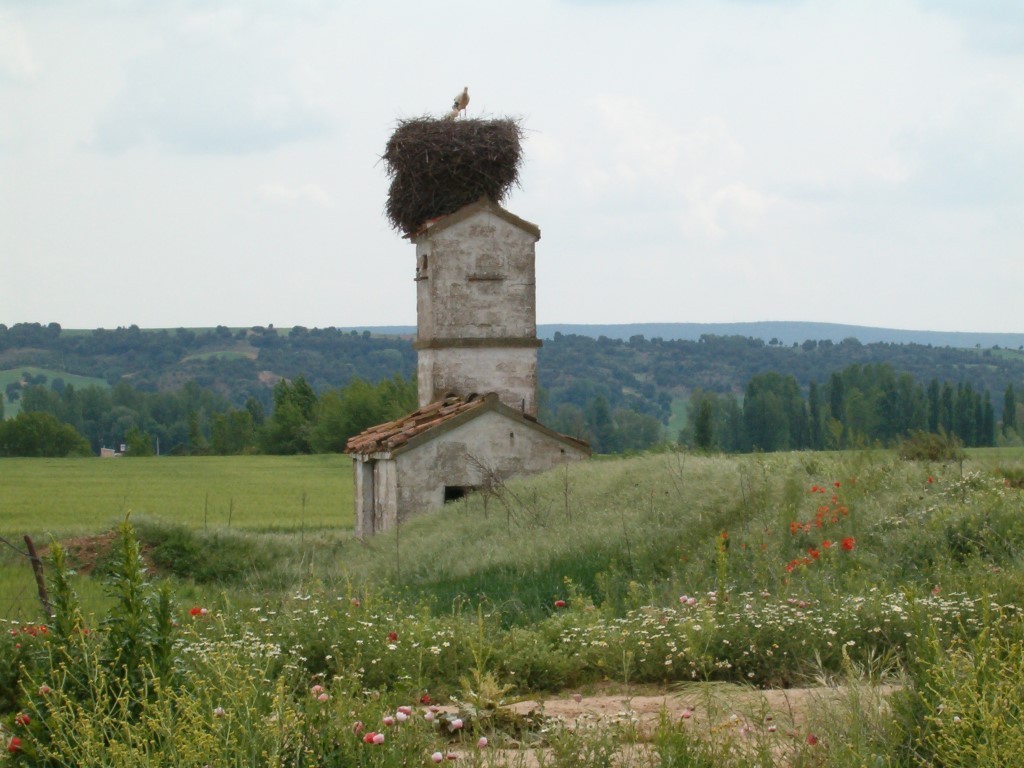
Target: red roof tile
column 393, row 434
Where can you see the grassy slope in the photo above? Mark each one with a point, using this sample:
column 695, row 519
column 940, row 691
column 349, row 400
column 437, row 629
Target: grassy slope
column 15, row 374
column 651, row 525
column 619, row 530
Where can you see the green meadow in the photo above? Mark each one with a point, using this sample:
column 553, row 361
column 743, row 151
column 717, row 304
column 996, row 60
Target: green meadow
column 885, row 592
column 62, row 497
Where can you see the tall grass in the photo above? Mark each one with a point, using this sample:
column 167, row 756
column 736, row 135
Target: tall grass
column 846, row 569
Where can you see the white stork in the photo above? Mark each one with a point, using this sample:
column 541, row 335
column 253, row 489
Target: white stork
column 461, row 101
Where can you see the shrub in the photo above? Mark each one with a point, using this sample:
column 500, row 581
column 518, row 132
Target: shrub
column 930, row 446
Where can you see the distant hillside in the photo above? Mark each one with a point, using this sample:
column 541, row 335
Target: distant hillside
column 787, row 333
column 586, row 373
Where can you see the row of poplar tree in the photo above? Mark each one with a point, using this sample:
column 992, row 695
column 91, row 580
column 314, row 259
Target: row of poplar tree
column 860, row 406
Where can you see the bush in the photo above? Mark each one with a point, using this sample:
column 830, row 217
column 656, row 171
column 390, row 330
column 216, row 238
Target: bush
column 929, row 446
column 40, row 434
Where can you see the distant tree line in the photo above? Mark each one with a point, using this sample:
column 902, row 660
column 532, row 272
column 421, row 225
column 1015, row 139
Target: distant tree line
column 194, row 420
column 860, row 406
column 191, row 389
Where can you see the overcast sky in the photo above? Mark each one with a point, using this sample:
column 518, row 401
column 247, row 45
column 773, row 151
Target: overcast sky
column 212, row 162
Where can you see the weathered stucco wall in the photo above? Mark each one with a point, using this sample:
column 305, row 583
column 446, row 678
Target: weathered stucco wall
column 476, row 310
column 467, row 370
column 376, row 496
column 459, row 458
column 476, row 279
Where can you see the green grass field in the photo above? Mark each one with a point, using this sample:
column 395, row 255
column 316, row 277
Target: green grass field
column 898, row 581
column 61, row 497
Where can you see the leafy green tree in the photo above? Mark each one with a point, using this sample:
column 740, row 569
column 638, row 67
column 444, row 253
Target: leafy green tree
column 233, row 432
column 344, row 413
column 196, row 440
column 816, row 437
column 934, row 406
column 636, row 431
column 704, row 423
column 1009, row 410
column 289, row 428
column 774, row 414
column 600, row 426
column 40, row 434
column 139, row 443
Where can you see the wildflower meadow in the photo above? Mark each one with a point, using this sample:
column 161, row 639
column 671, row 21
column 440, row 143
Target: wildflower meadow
column 890, row 589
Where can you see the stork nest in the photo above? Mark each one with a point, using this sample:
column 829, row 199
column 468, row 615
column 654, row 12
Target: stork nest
column 438, row 166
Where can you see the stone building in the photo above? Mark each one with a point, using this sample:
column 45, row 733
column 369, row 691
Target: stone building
column 476, row 345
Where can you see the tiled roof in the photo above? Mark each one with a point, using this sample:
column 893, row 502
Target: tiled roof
column 394, row 434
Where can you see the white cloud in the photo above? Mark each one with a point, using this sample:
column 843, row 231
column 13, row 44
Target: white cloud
column 17, row 63
column 302, row 193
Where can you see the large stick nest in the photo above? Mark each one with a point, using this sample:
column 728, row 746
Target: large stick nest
column 438, row 166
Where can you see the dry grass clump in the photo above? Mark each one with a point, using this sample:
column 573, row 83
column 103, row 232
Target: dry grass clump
column 439, row 166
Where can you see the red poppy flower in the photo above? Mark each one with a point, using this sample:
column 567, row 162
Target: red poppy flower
column 195, row 611
column 425, row 698
column 848, row 543
column 559, row 603
column 22, row 719
column 812, row 739
column 392, row 637
column 14, row 745
column 815, row 554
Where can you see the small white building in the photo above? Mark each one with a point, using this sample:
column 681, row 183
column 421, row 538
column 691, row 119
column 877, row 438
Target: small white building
column 442, row 451
column 476, row 345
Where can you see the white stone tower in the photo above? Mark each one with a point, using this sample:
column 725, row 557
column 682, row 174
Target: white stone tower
column 476, row 306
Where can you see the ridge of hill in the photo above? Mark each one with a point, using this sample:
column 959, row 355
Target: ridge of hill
column 782, row 331
column 583, row 377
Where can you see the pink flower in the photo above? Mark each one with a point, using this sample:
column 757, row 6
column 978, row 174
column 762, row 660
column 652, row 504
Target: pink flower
column 355, row 602
column 400, row 716
column 378, row 738
column 405, row 710
column 357, row 727
column 323, row 697
column 44, row 689
column 428, row 716
column 219, row 712
column 316, row 690
column 437, row 757
column 388, row 720
column 577, row 698
column 686, row 714
column 455, row 724
column 481, row 742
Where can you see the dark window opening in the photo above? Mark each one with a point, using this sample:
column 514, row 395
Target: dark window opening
column 456, row 492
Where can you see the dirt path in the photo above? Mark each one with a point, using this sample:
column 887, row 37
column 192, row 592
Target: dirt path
column 785, row 719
